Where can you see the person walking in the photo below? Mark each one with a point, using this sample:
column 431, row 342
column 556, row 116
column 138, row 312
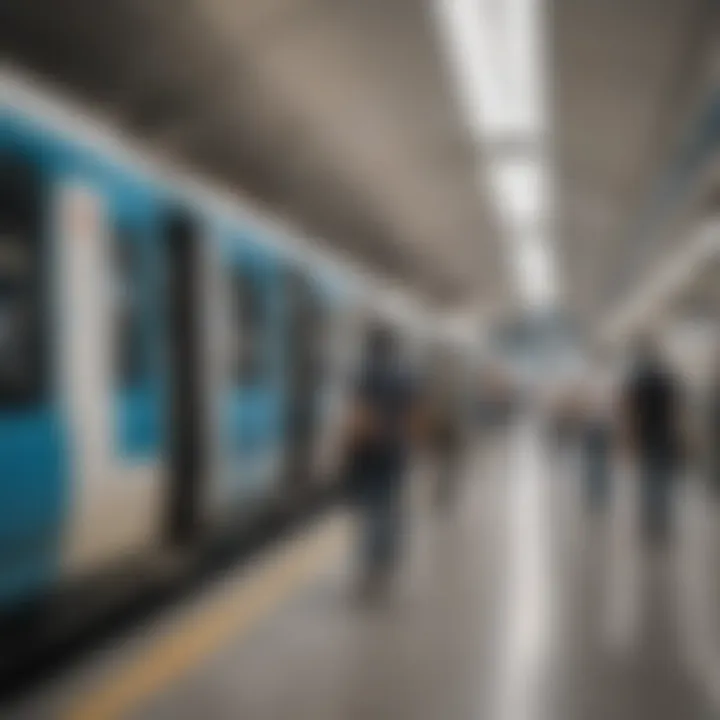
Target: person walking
column 651, row 409
column 380, row 438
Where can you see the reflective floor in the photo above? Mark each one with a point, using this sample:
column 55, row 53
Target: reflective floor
column 517, row 604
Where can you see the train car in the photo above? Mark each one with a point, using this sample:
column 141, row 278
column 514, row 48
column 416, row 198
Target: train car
column 160, row 369
column 170, row 362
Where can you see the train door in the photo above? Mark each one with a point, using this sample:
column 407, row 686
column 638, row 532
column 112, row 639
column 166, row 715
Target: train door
column 252, row 400
column 32, row 449
column 248, row 382
column 304, row 376
column 185, row 396
column 110, row 379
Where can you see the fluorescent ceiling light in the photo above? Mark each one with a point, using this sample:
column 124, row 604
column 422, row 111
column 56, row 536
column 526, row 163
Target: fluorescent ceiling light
column 493, row 52
column 521, row 190
column 535, row 271
column 524, row 58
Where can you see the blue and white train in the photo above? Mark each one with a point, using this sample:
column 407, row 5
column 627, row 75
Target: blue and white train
column 168, row 361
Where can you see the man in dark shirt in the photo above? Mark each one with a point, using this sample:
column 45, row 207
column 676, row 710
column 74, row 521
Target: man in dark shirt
column 652, row 419
column 380, row 438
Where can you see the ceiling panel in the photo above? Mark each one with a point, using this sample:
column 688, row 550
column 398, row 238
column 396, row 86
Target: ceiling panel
column 338, row 115
column 623, row 78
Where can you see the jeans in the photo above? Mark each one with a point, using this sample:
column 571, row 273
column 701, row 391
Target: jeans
column 656, row 474
column 380, row 528
column 597, row 468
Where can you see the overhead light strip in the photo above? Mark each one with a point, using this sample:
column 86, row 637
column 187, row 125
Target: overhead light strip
column 495, row 50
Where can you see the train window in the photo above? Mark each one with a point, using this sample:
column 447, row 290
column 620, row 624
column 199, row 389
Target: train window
column 131, row 343
column 21, row 352
column 249, row 338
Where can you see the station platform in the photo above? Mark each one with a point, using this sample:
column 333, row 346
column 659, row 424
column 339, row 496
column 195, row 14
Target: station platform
column 515, row 604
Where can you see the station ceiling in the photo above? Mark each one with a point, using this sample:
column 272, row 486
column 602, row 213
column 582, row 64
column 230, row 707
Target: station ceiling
column 339, row 116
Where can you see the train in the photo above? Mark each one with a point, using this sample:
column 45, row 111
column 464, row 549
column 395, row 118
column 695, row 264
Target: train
column 171, row 360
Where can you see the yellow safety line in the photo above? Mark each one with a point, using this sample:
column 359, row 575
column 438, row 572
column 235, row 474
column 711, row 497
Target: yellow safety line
column 227, row 619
